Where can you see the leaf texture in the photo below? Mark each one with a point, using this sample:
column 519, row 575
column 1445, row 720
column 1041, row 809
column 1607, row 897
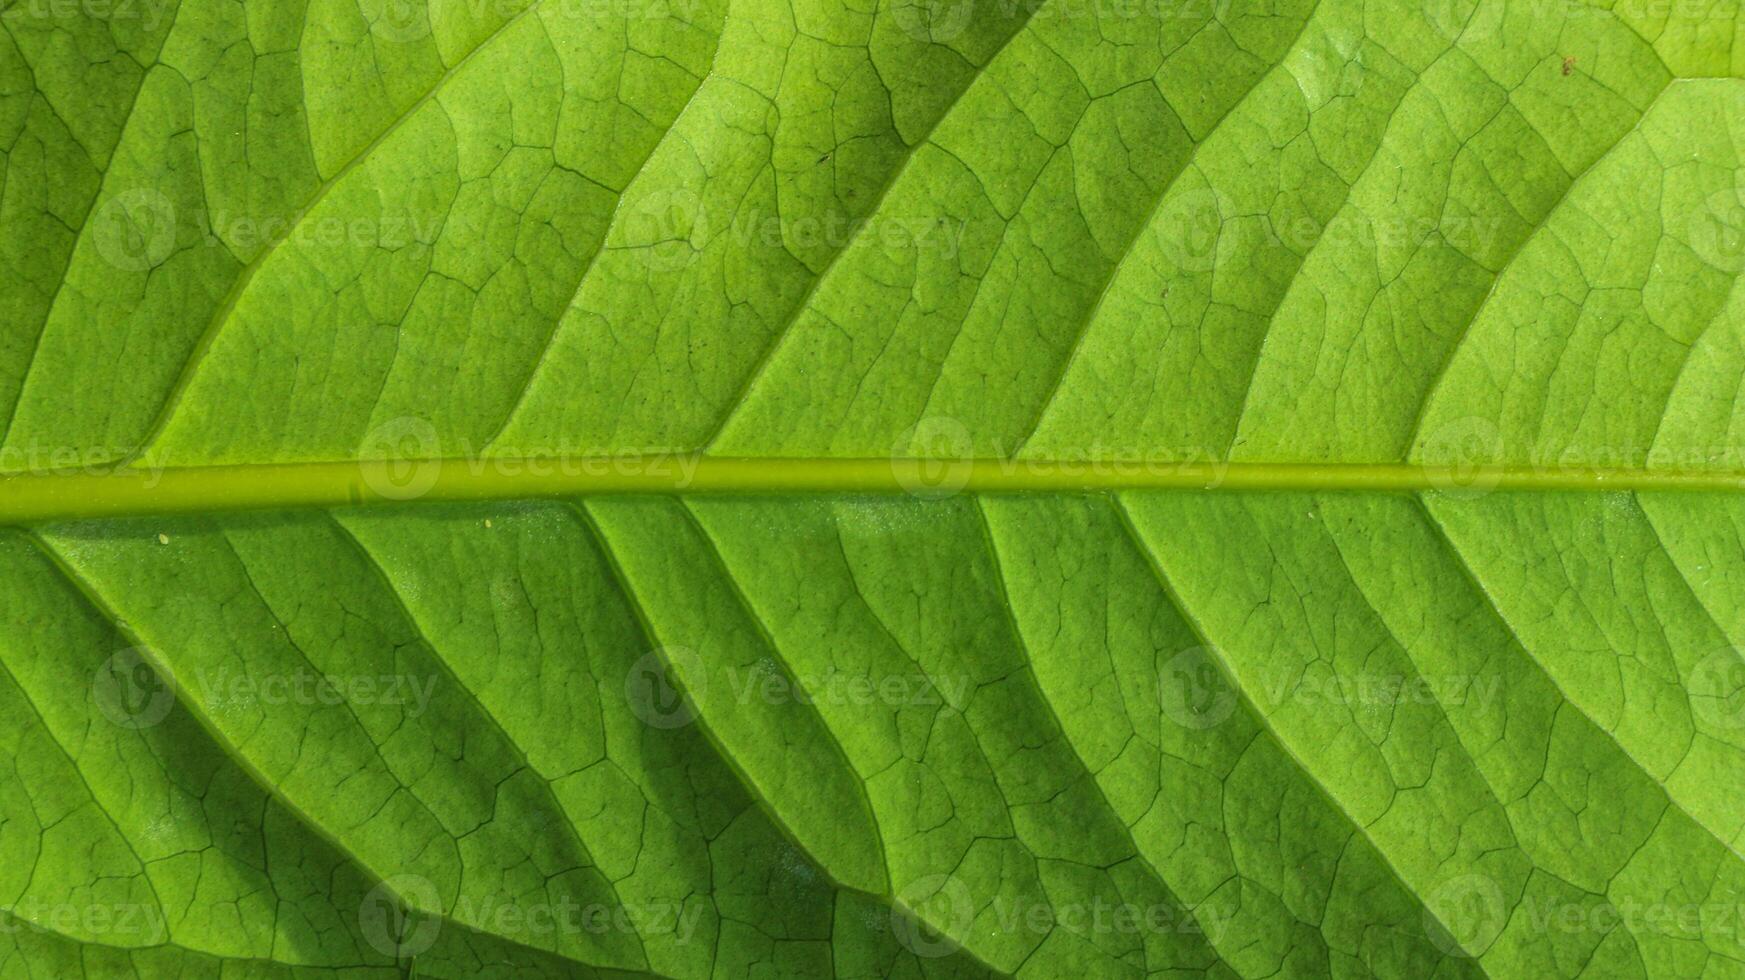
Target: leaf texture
column 1468, row 726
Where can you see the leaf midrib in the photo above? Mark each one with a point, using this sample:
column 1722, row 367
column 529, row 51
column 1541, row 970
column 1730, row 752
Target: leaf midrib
column 32, row 497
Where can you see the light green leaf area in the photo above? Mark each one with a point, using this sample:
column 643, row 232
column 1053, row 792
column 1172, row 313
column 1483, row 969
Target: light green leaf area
column 1468, row 726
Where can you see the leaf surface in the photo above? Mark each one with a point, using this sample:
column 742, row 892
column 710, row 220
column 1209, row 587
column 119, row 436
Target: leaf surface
column 1239, row 488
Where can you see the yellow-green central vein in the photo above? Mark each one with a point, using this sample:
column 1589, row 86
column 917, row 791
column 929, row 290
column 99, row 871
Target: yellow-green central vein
column 34, row 497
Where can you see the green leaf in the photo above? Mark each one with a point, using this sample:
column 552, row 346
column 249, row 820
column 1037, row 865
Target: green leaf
column 927, row 488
